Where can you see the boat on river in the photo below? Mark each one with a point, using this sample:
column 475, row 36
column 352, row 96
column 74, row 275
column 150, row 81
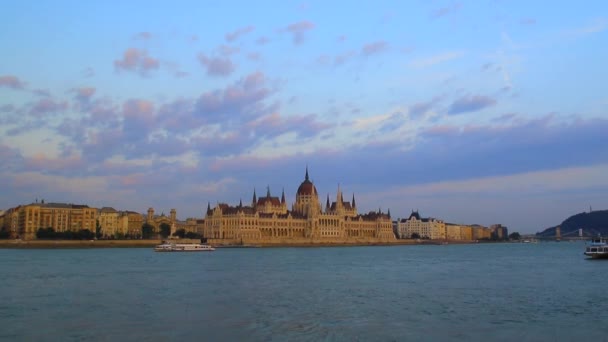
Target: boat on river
column 183, row 247
column 597, row 248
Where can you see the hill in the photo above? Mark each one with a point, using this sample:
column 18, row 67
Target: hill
column 593, row 223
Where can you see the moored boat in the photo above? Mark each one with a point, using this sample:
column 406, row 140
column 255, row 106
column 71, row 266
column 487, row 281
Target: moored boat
column 183, row 247
column 597, row 248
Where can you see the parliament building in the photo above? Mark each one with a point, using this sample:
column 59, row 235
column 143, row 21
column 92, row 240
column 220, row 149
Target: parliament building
column 268, row 220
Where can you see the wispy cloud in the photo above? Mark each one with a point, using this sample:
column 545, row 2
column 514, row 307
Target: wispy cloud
column 136, row 60
column 446, row 10
column 374, row 47
column 11, row 81
column 298, row 30
column 471, row 103
column 217, row 66
column 436, row 59
column 236, row 34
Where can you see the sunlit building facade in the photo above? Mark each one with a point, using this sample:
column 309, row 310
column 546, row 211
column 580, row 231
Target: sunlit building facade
column 268, row 220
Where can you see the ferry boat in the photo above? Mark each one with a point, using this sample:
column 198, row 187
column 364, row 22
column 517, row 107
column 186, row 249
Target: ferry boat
column 183, row 247
column 597, row 248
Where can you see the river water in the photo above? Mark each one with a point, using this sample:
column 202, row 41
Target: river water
column 497, row 292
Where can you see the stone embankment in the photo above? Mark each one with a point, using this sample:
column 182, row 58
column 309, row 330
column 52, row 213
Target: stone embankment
column 78, row 243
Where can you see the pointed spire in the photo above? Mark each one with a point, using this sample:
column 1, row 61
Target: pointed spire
column 208, row 206
column 306, row 177
column 240, row 203
column 268, row 191
column 389, row 213
column 283, row 197
column 255, row 199
column 327, row 203
column 354, row 205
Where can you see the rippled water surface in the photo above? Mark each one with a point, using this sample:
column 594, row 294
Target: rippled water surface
column 498, row 292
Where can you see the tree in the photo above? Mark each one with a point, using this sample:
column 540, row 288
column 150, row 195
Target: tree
column 97, row 229
column 181, row 233
column 191, row 235
column 147, row 230
column 165, row 230
column 514, row 236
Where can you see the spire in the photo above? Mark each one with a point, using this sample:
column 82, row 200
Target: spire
column 267, row 191
column 306, row 177
column 208, row 206
column 338, row 198
column 327, row 203
column 354, row 205
column 255, row 199
column 389, row 213
column 240, row 203
column 283, row 197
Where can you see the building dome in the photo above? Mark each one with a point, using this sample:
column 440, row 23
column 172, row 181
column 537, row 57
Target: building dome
column 307, row 188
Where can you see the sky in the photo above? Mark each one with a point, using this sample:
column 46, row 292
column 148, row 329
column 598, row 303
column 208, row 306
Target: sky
column 477, row 112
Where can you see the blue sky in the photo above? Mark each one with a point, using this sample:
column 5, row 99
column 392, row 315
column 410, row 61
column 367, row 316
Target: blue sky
column 474, row 112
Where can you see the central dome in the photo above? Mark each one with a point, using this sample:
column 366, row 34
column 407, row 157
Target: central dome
column 307, row 188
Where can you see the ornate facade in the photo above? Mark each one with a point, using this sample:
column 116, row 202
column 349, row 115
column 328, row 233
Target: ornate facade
column 268, row 220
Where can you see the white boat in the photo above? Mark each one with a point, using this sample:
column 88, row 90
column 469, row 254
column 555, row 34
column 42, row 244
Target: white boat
column 183, row 247
column 597, row 248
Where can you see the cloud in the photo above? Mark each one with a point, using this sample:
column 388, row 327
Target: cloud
column 262, row 41
column 236, row 102
column 436, row 59
column 597, row 25
column 137, row 60
column 227, row 50
column 273, row 125
column 83, row 93
column 419, row 108
column 217, row 66
column 470, row 104
column 232, row 36
column 443, row 11
column 47, row 106
column 528, row 21
column 12, row 82
column 298, row 30
column 143, row 36
column 374, row 47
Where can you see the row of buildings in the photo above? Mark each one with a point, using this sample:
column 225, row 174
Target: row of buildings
column 24, row 221
column 267, row 219
column 431, row 228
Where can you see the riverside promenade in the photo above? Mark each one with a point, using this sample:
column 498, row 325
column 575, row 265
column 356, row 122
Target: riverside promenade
column 12, row 243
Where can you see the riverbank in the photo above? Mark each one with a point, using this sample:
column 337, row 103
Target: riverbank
column 154, row 242
column 78, row 243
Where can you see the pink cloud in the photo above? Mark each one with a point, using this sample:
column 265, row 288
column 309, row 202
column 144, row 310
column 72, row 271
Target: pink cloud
column 84, row 92
column 143, row 35
column 298, row 30
column 46, row 106
column 232, row 36
column 137, row 60
column 217, row 66
column 374, row 47
column 11, row 81
column 42, row 162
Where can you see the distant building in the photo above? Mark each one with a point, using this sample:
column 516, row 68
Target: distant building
column 268, row 220
column 426, row 228
column 25, row 220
